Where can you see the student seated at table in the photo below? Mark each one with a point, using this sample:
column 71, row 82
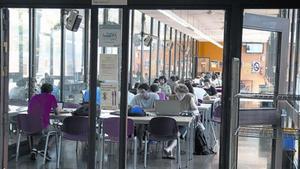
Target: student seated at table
column 209, row 88
column 164, row 87
column 86, row 95
column 39, row 107
column 200, row 93
column 145, row 100
column 187, row 104
column 155, row 89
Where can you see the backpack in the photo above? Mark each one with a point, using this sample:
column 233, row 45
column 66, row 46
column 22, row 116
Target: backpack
column 201, row 147
column 83, row 110
column 136, row 111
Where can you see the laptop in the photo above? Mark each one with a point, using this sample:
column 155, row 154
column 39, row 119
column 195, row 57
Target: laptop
column 167, row 107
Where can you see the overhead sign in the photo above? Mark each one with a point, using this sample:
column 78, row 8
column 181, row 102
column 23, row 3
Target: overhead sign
column 110, row 36
column 255, row 66
column 109, row 2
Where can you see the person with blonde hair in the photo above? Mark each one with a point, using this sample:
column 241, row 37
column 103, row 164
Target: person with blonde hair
column 187, row 104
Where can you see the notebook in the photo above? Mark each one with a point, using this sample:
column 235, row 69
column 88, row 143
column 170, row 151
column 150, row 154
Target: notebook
column 167, row 107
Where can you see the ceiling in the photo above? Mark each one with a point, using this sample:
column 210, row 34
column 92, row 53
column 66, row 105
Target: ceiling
column 207, row 24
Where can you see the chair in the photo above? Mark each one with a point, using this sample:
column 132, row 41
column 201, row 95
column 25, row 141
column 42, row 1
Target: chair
column 216, row 118
column 75, row 128
column 163, row 129
column 162, row 96
column 28, row 125
column 111, row 128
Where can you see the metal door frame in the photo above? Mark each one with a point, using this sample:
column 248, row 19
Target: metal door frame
column 281, row 26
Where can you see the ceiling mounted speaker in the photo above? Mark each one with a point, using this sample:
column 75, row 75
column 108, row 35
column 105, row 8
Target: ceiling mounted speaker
column 73, row 21
column 148, row 40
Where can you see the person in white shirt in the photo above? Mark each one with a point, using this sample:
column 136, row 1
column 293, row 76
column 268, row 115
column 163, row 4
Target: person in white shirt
column 200, row 93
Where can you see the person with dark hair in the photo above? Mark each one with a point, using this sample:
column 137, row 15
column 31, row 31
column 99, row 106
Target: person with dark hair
column 164, row 87
column 210, row 90
column 155, row 89
column 39, row 107
column 144, row 98
column 134, row 90
column 156, row 80
column 216, row 81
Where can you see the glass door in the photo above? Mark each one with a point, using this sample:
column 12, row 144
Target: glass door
column 263, row 78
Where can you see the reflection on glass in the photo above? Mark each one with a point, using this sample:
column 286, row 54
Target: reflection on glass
column 161, row 50
column 74, row 64
column 136, row 59
column 48, row 52
column 258, row 68
column 19, row 56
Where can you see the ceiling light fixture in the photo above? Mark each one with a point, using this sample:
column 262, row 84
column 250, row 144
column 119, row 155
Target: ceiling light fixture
column 182, row 22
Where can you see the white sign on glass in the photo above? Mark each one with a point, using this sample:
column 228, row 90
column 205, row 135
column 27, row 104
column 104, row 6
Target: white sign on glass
column 110, row 35
column 109, row 67
column 109, row 96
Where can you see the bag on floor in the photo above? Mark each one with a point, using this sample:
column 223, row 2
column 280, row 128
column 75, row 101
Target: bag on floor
column 201, row 146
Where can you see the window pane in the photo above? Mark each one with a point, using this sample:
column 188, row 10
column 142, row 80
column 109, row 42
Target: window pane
column 146, row 52
column 113, row 16
column 154, row 51
column 19, row 56
column 172, row 53
column 136, row 59
column 167, row 50
column 161, row 49
column 74, row 64
column 48, row 52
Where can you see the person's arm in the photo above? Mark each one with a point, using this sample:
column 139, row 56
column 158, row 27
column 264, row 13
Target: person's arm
column 194, row 107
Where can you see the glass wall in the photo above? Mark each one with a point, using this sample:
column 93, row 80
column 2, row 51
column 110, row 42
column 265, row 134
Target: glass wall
column 136, row 59
column 74, row 64
column 19, row 56
column 47, row 49
column 146, row 49
column 154, row 52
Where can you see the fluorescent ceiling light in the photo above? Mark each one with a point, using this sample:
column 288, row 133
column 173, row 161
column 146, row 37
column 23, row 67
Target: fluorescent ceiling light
column 182, row 22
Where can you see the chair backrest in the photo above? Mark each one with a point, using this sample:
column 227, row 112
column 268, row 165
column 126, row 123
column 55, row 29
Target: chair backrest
column 163, row 128
column 29, row 124
column 216, row 115
column 162, row 96
column 111, row 127
column 76, row 128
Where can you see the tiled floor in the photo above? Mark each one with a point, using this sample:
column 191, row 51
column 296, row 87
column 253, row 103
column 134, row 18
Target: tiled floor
column 155, row 161
column 253, row 153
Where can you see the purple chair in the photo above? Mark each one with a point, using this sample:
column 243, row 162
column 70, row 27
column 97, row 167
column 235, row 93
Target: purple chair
column 31, row 125
column 75, row 128
column 163, row 129
column 162, row 96
column 111, row 132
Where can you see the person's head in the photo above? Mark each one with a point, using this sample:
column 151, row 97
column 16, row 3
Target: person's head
column 46, row 88
column 206, row 82
column 156, row 80
column 173, row 78
column 21, row 83
column 181, row 90
column 154, row 88
column 162, row 79
column 189, row 86
column 177, row 78
column 214, row 77
column 143, row 90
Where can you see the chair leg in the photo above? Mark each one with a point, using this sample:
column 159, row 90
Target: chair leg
column 145, row 152
column 213, row 131
column 59, row 151
column 46, row 148
column 18, row 146
column 135, row 153
column 178, row 152
column 102, row 152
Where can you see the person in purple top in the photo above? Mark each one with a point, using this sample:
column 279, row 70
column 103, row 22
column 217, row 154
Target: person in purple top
column 40, row 106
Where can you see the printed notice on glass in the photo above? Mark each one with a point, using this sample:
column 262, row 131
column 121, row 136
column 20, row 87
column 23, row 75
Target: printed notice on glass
column 109, row 2
column 109, row 96
column 110, row 36
column 108, row 67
